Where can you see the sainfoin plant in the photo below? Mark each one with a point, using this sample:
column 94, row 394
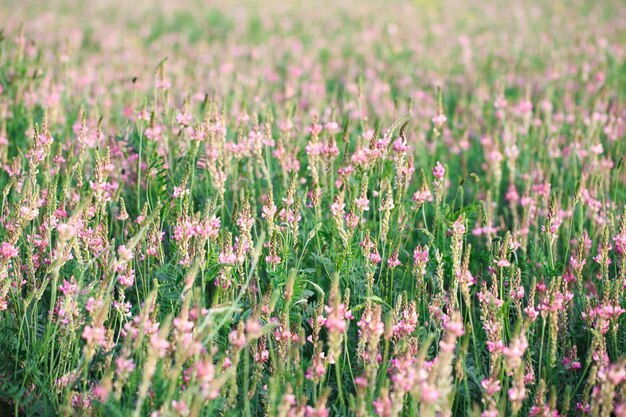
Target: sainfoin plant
column 352, row 208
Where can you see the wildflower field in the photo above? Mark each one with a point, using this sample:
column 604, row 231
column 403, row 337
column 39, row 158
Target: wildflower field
column 311, row 209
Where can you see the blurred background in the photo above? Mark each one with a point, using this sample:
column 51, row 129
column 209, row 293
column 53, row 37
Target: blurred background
column 251, row 50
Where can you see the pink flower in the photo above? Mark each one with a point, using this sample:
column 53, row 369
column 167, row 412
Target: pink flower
column 439, row 171
column 362, row 203
column 616, row 374
column 228, row 257
column 180, row 408
column 400, row 145
column 124, row 366
column 383, row 407
column 315, row 129
column 335, row 322
column 319, row 411
column 153, row 133
column 393, row 261
column 125, row 254
column 94, row 336
column 101, row 393
column 268, row 212
column 499, row 102
column 66, row 231
column 430, row 394
column 184, row 118
column 517, row 394
column 458, row 227
column 352, row 220
column 162, row 83
column 421, row 196
column 237, row 339
column 503, row 263
column 577, row 264
column 8, row 250
column 361, row 382
column 466, row 277
column 620, row 243
column 332, row 127
column 337, row 208
column 127, row 279
column 439, row 120
column 455, row 327
column 375, row 257
column 420, row 254
column 180, row 191
column 491, row 386
column 514, row 352
column 273, row 259
column 159, row 345
column 518, row 293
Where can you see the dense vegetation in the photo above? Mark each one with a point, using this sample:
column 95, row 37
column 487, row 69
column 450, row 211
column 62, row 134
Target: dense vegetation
column 293, row 209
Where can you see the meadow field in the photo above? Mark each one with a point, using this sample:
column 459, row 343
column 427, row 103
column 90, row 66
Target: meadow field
column 311, row 209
